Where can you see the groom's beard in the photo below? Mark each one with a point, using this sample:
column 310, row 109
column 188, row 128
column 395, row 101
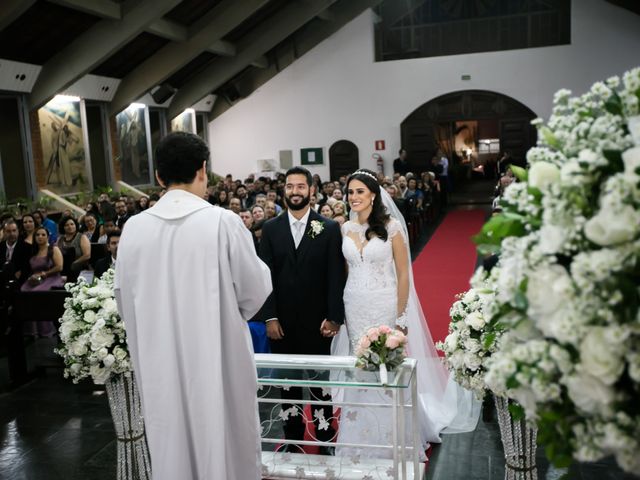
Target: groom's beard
column 297, row 206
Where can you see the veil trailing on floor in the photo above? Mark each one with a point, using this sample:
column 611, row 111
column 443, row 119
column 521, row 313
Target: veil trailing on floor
column 444, row 405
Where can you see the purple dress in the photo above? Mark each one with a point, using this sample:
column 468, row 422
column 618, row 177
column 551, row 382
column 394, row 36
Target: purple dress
column 40, row 264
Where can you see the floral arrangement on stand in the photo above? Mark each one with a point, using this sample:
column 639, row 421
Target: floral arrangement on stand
column 569, row 270
column 92, row 332
column 474, row 333
column 381, row 349
column 94, row 345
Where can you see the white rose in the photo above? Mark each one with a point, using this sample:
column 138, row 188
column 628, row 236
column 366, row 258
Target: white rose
column 90, row 316
column 79, row 347
column 451, row 342
column 67, row 328
column 472, row 345
column 110, row 306
column 600, row 357
column 472, row 361
column 590, row 394
column 99, row 374
column 633, row 123
column 548, row 292
column 552, row 238
column 100, row 339
column 109, row 360
column 610, row 227
column 102, row 353
column 543, row 174
column 119, row 353
column 475, row 320
column 75, row 369
column 631, row 159
column 457, row 360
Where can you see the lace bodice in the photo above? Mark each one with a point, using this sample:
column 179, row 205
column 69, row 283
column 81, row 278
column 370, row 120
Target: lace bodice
column 370, row 262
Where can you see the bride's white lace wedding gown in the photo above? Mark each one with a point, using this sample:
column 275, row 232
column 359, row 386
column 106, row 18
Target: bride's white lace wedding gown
column 370, row 300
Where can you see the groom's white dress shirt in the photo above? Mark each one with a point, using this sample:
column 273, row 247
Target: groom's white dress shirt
column 298, row 226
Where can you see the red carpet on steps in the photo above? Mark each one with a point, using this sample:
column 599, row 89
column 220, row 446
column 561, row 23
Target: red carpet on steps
column 445, row 265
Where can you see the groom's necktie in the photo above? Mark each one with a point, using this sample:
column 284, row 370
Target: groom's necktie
column 299, row 231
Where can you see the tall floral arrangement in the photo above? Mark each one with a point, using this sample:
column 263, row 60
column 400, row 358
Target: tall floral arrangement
column 92, row 332
column 569, row 275
column 474, row 333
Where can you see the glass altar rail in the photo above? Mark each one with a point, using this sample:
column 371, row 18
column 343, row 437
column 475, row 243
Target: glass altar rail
column 396, row 459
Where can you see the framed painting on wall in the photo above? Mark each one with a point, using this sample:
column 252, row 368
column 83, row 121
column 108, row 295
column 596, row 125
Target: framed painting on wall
column 135, row 145
column 63, row 139
column 185, row 122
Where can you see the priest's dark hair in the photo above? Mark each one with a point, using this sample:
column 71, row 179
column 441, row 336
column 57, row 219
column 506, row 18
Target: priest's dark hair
column 179, row 156
column 300, row 171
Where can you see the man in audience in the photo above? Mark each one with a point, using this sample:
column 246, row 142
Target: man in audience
column 235, row 206
column 186, row 296
column 247, row 218
column 121, row 212
column 270, row 210
column 50, row 225
column 14, row 253
column 106, row 263
column 131, row 206
column 402, row 185
column 241, row 193
column 261, row 200
column 108, row 226
column 400, row 164
column 272, row 196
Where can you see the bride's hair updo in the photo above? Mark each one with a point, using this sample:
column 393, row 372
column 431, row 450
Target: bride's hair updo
column 378, row 217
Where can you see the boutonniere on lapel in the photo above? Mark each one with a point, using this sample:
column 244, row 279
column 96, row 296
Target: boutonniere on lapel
column 316, row 228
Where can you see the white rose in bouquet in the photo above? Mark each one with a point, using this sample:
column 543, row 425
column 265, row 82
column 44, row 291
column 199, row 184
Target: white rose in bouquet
column 613, row 226
column 549, row 290
column 475, row 320
column 590, row 394
column 631, row 159
column 543, row 174
column 601, row 355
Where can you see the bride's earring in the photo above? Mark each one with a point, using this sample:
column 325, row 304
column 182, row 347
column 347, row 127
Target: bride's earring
column 372, row 200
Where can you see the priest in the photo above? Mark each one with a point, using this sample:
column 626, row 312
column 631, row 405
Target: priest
column 187, row 279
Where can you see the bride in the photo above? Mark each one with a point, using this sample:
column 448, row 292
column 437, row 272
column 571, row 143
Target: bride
column 380, row 291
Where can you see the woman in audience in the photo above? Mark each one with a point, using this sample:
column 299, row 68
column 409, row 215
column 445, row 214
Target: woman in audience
column 91, row 228
column 45, row 266
column 341, row 219
column 28, row 228
column 326, row 211
column 221, row 198
column 413, row 195
column 37, row 217
column 257, row 212
column 75, row 248
column 339, row 208
column 143, row 203
column 92, row 207
column 269, row 210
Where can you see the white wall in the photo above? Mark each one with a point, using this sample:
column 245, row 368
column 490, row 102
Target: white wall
column 336, row 91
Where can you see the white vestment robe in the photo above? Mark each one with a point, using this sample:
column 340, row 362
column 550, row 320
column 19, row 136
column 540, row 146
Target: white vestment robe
column 187, row 279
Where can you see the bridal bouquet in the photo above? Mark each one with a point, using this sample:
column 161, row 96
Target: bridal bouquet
column 381, row 348
column 474, row 333
column 92, row 333
column 569, row 270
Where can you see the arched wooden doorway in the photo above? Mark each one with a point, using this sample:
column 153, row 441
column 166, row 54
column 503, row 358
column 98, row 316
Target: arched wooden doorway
column 343, row 159
column 424, row 130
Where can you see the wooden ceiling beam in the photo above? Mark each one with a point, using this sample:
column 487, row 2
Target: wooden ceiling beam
column 207, row 33
column 251, row 47
column 93, row 47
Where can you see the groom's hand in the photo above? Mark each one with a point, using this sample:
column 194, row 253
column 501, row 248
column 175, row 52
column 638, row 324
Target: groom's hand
column 328, row 328
column 274, row 330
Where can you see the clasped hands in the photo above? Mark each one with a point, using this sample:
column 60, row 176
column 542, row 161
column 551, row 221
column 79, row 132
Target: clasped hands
column 327, row 329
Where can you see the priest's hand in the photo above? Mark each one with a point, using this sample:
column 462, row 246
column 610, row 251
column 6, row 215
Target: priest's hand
column 274, row 330
column 329, row 328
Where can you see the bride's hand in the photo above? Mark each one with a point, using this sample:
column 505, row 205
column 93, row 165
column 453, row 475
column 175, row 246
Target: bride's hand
column 329, row 329
column 404, row 330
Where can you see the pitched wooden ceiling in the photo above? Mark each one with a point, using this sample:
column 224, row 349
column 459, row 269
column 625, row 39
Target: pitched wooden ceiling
column 196, row 47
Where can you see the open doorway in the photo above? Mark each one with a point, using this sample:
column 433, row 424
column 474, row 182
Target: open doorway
column 474, row 129
column 343, row 159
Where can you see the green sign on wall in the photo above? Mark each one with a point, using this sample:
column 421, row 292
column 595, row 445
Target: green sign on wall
column 311, row 156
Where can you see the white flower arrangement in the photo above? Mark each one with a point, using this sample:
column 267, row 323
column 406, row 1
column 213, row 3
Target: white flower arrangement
column 472, row 337
column 569, row 269
column 92, row 333
column 316, row 228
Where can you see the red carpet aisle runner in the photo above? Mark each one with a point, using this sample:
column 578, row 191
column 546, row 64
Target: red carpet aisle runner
column 444, row 267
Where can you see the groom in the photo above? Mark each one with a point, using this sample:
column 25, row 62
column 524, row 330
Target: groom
column 305, row 309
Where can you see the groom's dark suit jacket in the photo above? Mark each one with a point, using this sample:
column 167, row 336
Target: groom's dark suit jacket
column 308, row 283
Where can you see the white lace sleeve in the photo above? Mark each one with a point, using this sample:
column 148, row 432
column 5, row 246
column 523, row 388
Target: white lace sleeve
column 394, row 227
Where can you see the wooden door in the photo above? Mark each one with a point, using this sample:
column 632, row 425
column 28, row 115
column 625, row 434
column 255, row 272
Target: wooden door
column 343, row 159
